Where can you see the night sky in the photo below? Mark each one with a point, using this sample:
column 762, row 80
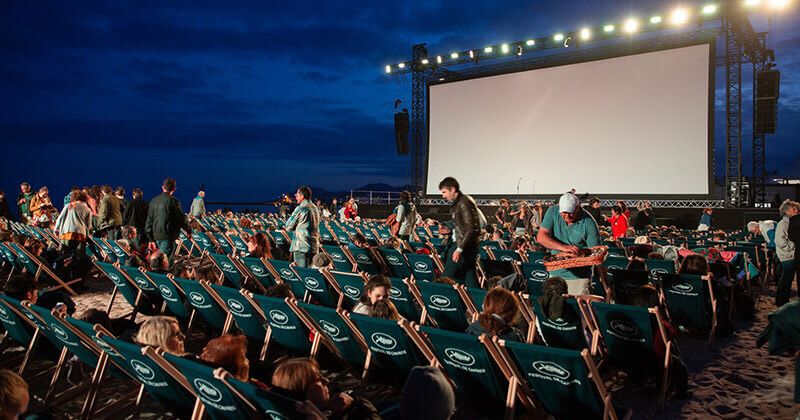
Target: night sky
column 255, row 98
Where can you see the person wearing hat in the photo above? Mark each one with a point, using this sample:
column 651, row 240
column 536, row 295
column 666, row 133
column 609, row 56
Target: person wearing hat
column 568, row 228
column 467, row 224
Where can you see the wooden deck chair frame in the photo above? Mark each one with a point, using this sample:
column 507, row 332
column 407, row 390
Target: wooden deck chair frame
column 116, row 290
column 46, row 270
column 172, row 371
column 35, row 337
column 226, row 326
column 263, row 318
column 319, row 337
column 106, row 257
column 100, row 331
column 414, row 291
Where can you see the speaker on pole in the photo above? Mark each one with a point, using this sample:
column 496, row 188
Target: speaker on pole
column 401, row 128
column 767, row 93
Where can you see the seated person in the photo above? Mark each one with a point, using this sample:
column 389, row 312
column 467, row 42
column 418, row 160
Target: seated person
column 122, row 328
column 258, row 246
column 765, row 228
column 426, row 395
column 159, row 263
column 163, row 332
column 655, row 256
column 322, row 260
column 359, row 241
column 636, row 264
column 500, row 311
column 377, row 288
column 695, row 264
column 14, row 396
column 230, row 353
column 280, row 290
column 385, row 309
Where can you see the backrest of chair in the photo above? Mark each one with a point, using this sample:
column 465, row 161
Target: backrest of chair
column 659, row 266
column 160, row 385
column 219, row 401
column 537, row 256
column 628, row 335
column 272, row 405
column 400, row 296
column 284, row 270
column 286, row 328
column 25, row 260
column 171, row 294
column 229, row 269
column 202, row 301
column 477, row 296
column 325, row 234
column 422, row 234
column 422, row 266
column 560, row 379
column 203, row 241
column 616, row 263
column 223, row 243
column 340, row 261
column 106, row 249
column 242, row 312
column 364, row 260
column 624, row 283
column 317, row 285
column 688, row 299
column 506, row 254
column 391, row 348
column 127, row 290
column 352, row 285
column 239, row 245
column 334, row 327
column 97, row 345
column 259, row 271
column 616, row 252
column 13, row 324
column 341, row 235
column 444, row 305
column 121, row 254
column 468, row 364
column 143, row 282
column 496, row 268
column 395, row 263
column 535, row 276
column 66, row 337
column 565, row 332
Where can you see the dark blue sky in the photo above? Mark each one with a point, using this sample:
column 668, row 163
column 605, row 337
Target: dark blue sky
column 253, row 98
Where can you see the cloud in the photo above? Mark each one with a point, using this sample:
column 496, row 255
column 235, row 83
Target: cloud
column 317, row 77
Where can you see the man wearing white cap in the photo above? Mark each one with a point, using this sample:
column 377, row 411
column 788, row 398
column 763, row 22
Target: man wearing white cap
column 568, row 228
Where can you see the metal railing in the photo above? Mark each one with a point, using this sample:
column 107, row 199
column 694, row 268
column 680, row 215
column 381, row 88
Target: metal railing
column 375, row 197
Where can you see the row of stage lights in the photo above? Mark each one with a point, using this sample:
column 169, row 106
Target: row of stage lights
column 677, row 18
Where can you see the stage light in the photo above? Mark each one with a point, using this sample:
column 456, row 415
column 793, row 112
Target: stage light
column 471, row 54
column 388, row 69
column 655, row 20
column 454, row 56
column 631, row 25
column 439, row 59
column 709, row 9
column 519, row 50
column 778, row 3
column 752, row 2
column 530, row 42
column 401, row 65
column 679, row 16
column 504, row 48
column 424, row 61
column 608, row 28
column 585, row 33
column 558, row 37
column 487, row 49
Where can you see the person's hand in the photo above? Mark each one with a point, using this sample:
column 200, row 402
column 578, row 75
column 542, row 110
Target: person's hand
column 340, row 402
column 310, row 410
column 456, row 256
column 571, row 249
column 151, row 246
column 604, row 216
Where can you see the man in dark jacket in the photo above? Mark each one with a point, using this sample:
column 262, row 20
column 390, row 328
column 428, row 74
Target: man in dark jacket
column 165, row 219
column 136, row 214
column 4, row 210
column 24, row 202
column 109, row 214
column 468, row 220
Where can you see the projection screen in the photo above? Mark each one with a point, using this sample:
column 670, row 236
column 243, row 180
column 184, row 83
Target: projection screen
column 638, row 125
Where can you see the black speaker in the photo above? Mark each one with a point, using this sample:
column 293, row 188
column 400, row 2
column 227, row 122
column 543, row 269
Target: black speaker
column 766, row 116
column 768, row 84
column 401, row 128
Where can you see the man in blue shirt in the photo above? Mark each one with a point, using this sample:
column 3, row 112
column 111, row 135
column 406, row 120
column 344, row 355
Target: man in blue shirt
column 568, row 228
column 305, row 224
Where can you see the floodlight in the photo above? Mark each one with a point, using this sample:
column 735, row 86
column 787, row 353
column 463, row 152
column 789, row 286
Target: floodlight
column 558, row 37
column 631, row 25
column 439, row 59
column 778, row 3
column 487, row 49
column 530, row 42
column 680, row 16
column 424, row 61
column 608, row 28
column 752, row 2
column 454, row 55
column 504, row 48
column 401, row 65
column 655, row 20
column 709, row 9
column 388, row 69
column 585, row 33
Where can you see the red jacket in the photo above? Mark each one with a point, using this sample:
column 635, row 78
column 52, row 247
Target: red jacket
column 619, row 225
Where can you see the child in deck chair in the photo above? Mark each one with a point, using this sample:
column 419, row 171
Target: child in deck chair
column 500, row 310
column 377, row 288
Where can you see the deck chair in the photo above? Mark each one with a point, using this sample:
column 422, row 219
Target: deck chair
column 659, row 266
column 614, row 251
column 535, row 275
column 140, row 278
column 624, row 284
column 337, row 334
column 268, row 404
column 403, row 300
column 616, row 263
column 173, row 295
column 421, row 233
column 395, row 263
column 422, row 266
column 472, row 298
column 364, row 259
column 325, row 235
column 25, row 332
column 283, row 270
column 382, row 233
column 340, row 258
column 352, row 286
column 122, row 285
column 341, row 235
column 205, row 243
column 443, row 305
column 566, row 332
column 248, row 318
column 228, row 268
column 239, row 245
column 691, row 301
column 212, row 311
column 389, row 346
column 566, row 382
column 628, row 333
column 38, row 269
column 536, row 256
column 285, row 328
column 504, row 254
column 319, row 287
column 257, row 269
column 490, row 268
column 224, row 244
column 105, row 251
column 121, row 254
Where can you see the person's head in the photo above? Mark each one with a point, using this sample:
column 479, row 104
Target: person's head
column 594, row 203
column 789, row 208
column 753, row 228
column 449, row 188
column 656, row 256
column 258, row 245
column 636, row 264
column 182, row 270
column 322, row 260
column 520, row 244
column 334, row 201
column 385, row 309
column 168, row 186
column 622, row 205
column 105, row 189
column 302, row 376
column 376, row 289
column 303, row 193
column 708, row 210
column 359, row 240
column 124, row 244
column 569, row 206
column 14, row 396
column 35, row 246
column 161, row 332
column 646, row 296
column 444, row 280
column 497, row 235
column 445, row 229
column 694, row 264
column 281, row 291
column 504, row 203
column 405, row 196
column 630, row 233
column 129, row 232
column 120, row 192
column 25, row 187
column 394, row 242
column 616, row 210
column 43, row 192
column 499, row 311
column 77, row 196
column 206, row 272
column 230, row 353
column 554, row 286
column 720, row 236
column 159, row 261
column 137, row 193
column 427, row 395
column 201, row 194
column 22, row 287
column 96, row 316
column 643, row 240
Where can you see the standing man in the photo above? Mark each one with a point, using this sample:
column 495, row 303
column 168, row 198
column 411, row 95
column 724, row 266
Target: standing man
column 785, row 251
column 568, row 228
column 136, row 215
column 503, row 215
column 406, row 216
column 165, row 219
column 468, row 221
column 5, row 212
column 305, row 224
column 594, row 210
column 109, row 215
column 198, row 208
column 24, row 202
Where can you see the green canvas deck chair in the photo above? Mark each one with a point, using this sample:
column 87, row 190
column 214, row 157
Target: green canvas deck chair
column 365, row 260
column 624, row 284
column 628, row 333
column 224, row 243
column 42, row 271
column 567, row 332
column 490, row 268
column 369, row 234
column 285, row 328
column 188, row 245
column 171, row 394
column 228, row 268
column 326, row 236
column 271, row 406
column 205, row 243
column 389, row 346
column 283, row 270
column 121, row 254
column 422, row 233
column 472, row 299
column 536, row 256
column 691, row 301
column 280, row 240
column 174, row 297
column 467, row 362
column 566, row 382
column 122, row 285
column 333, row 331
column 395, row 263
column 504, row 254
column 340, row 258
column 319, row 287
column 239, row 245
column 108, row 252
column 442, row 305
column 617, row 252
column 616, row 263
column 212, row 311
column 256, row 269
column 422, row 266
column 659, row 266
column 341, row 235
column 248, row 318
column 352, row 286
column 402, row 298
column 25, row 332
column 138, row 277
column 535, row 275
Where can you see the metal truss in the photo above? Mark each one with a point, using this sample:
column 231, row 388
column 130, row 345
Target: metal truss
column 758, row 186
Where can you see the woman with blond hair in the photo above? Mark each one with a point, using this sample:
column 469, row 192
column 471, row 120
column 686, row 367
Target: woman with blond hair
column 162, row 332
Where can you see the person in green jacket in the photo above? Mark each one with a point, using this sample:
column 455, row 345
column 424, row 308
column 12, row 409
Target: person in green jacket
column 165, row 219
column 109, row 215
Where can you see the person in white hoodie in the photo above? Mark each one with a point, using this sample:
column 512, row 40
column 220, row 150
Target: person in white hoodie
column 784, row 249
column 74, row 224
